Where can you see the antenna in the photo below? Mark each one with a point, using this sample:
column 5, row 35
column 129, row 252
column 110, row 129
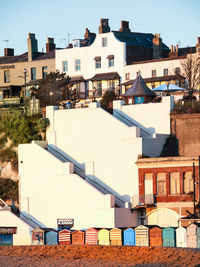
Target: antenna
column 6, row 41
column 68, row 34
column 64, row 39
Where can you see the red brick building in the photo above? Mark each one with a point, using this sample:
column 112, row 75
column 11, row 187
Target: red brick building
column 166, row 189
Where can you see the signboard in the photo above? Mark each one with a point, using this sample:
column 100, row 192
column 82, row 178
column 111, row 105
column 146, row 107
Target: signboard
column 6, row 240
column 139, row 99
column 8, row 230
column 67, row 222
column 7, row 67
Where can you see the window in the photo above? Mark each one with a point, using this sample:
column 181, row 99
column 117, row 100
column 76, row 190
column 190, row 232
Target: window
column 99, row 88
column 165, row 72
column 104, row 41
column 177, row 70
column 64, row 66
column 188, row 185
column 44, row 72
column 77, row 64
column 111, row 84
column 161, row 183
column 6, row 76
column 153, row 72
column 127, row 76
column 76, row 43
column 33, row 73
column 111, row 62
column 174, row 183
column 98, row 63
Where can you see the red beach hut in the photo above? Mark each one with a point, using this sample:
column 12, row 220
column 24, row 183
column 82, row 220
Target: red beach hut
column 91, row 236
column 64, row 237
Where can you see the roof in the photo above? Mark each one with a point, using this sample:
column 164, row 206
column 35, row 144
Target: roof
column 105, row 76
column 157, row 79
column 137, row 39
column 139, row 88
column 77, row 79
column 24, row 57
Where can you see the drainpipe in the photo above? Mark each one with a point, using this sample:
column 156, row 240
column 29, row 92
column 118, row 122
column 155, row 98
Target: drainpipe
column 194, row 183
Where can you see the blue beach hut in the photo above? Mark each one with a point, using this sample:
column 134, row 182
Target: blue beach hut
column 129, row 237
column 169, row 237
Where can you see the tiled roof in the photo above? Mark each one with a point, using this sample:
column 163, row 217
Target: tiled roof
column 49, row 55
column 137, row 39
column 105, row 76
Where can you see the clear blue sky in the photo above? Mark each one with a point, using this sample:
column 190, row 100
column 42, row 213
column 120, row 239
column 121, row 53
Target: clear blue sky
column 175, row 20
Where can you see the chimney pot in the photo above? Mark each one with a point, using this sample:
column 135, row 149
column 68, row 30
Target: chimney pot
column 124, row 26
column 50, row 44
column 104, row 26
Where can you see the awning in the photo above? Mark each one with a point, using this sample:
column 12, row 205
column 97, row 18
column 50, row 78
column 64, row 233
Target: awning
column 77, row 79
column 105, row 76
column 97, row 58
column 110, row 56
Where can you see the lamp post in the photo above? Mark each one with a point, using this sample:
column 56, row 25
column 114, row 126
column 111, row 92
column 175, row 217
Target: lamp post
column 51, row 95
column 94, row 93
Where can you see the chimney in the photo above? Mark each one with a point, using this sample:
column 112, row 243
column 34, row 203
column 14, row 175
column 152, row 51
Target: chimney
column 124, row 26
column 198, row 45
column 8, row 52
column 88, row 34
column 174, row 51
column 104, row 26
column 50, row 44
column 157, row 46
column 32, row 46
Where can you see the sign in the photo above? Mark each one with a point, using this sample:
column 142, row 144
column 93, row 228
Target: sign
column 66, row 222
column 6, row 240
column 8, row 230
column 7, row 67
column 139, row 99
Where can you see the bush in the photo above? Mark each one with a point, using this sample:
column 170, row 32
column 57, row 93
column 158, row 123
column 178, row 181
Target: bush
column 8, row 189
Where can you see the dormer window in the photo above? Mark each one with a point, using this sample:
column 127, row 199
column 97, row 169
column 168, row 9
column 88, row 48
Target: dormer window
column 76, row 43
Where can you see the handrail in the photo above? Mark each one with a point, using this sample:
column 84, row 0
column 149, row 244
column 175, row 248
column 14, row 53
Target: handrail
column 85, row 176
column 131, row 122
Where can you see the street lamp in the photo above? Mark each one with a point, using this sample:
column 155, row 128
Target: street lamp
column 51, row 95
column 94, row 93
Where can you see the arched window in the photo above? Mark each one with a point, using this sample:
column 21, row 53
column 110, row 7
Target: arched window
column 188, row 185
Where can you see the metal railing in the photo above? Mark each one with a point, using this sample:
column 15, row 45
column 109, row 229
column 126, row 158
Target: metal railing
column 140, row 200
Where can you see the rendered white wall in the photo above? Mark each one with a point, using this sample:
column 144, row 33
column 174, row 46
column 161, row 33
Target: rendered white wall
column 54, row 193
column 23, row 236
column 163, row 218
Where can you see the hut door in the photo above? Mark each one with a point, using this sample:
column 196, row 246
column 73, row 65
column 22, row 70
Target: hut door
column 148, row 188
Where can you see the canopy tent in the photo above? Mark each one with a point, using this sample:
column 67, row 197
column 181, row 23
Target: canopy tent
column 171, row 87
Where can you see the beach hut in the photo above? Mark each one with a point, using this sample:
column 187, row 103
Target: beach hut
column 91, row 236
column 78, row 238
column 64, row 237
column 155, row 236
column 142, row 235
column 181, row 237
column 51, row 237
column 116, row 236
column 198, row 236
column 129, row 237
column 6, row 235
column 169, row 237
column 38, row 236
column 103, row 237
column 192, row 235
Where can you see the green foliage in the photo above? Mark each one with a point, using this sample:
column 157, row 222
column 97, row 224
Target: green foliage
column 8, row 189
column 107, row 99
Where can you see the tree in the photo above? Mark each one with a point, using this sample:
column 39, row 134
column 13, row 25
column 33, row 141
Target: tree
column 54, row 89
column 107, row 99
column 190, row 69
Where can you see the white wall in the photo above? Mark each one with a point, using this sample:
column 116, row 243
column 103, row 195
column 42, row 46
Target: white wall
column 23, row 236
column 152, row 117
column 54, row 192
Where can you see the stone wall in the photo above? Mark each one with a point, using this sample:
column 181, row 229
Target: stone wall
column 186, row 127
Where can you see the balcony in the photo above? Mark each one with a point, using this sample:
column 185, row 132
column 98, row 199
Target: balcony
column 143, row 200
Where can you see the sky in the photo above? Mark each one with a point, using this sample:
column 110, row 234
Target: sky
column 176, row 20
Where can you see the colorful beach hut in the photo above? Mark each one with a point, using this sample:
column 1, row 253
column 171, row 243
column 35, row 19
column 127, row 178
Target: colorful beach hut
column 91, row 236
column 169, row 237
column 51, row 237
column 129, row 237
column 64, row 237
column 192, row 235
column 38, row 236
column 78, row 238
column 181, row 237
column 155, row 236
column 198, row 236
column 103, row 237
column 142, row 236
column 116, row 237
